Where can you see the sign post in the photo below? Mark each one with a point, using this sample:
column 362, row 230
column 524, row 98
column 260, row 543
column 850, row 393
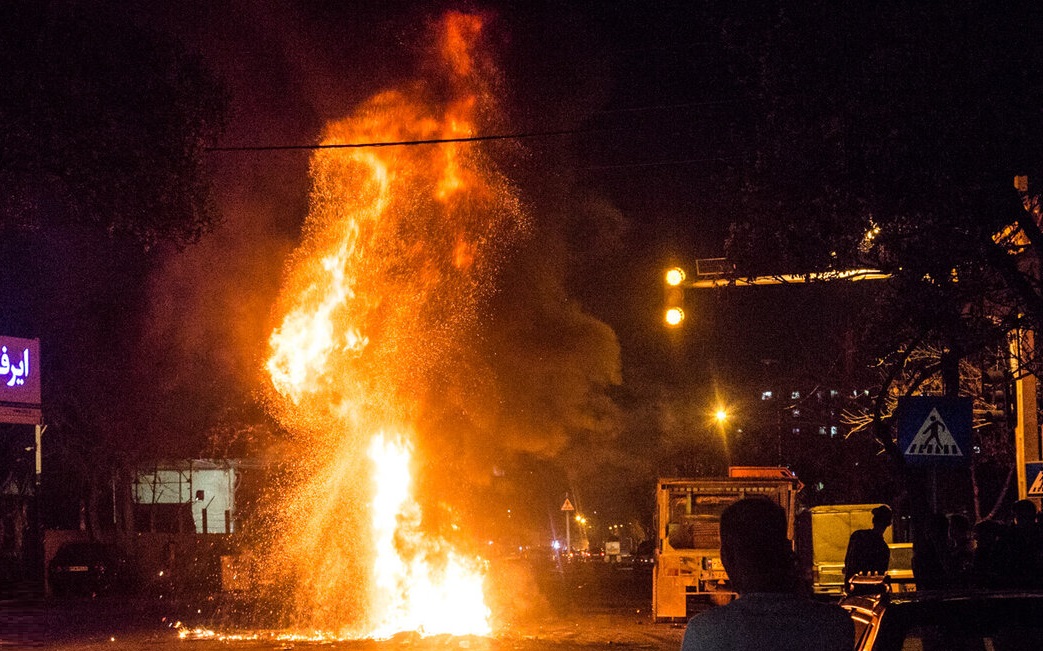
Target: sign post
column 567, row 509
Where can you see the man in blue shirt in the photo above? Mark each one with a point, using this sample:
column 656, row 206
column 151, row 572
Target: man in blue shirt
column 772, row 611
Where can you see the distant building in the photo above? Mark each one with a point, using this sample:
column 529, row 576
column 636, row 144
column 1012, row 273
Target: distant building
column 796, row 408
column 194, row 495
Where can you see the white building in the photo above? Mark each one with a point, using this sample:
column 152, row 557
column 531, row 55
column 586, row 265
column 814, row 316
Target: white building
column 208, row 485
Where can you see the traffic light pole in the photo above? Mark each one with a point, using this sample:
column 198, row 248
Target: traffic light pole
column 850, row 275
column 1028, row 445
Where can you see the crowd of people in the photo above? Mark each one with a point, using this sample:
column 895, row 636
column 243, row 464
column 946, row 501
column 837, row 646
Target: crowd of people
column 950, row 553
column 774, row 611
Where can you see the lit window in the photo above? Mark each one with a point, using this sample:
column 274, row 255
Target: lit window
column 822, row 430
column 796, row 413
column 796, row 430
column 766, row 395
column 833, row 393
column 795, row 395
column 833, row 431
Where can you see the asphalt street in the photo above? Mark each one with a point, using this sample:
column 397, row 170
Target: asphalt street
column 588, row 607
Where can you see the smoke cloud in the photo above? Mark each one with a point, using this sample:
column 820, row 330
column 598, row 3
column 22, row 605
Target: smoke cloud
column 534, row 380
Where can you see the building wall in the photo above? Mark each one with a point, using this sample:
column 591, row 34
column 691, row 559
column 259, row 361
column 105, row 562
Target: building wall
column 208, row 486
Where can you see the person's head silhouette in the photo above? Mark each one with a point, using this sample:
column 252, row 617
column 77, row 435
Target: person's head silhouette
column 882, row 517
column 755, row 549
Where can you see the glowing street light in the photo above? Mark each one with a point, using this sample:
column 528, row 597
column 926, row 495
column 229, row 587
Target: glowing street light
column 721, row 415
column 675, row 276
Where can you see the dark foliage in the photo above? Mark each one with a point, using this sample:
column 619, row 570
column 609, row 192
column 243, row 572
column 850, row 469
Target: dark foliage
column 102, row 123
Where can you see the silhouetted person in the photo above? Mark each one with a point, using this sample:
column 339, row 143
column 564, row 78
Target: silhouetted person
column 867, row 551
column 772, row 611
column 987, row 568
column 959, row 560
column 930, row 546
column 1020, row 548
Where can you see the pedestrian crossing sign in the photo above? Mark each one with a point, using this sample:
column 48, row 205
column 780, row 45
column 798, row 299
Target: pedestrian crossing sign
column 1034, row 479
column 934, row 431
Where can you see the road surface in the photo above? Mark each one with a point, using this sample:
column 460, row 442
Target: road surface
column 590, row 607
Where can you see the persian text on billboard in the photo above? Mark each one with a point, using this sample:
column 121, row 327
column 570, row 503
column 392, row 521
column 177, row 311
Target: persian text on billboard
column 19, row 371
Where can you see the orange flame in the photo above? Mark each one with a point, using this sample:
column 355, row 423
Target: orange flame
column 417, row 595
column 398, row 249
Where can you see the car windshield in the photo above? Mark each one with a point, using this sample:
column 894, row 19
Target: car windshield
column 81, row 552
column 1009, row 624
column 927, row 638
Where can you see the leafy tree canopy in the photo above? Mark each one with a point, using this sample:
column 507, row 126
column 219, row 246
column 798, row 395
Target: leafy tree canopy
column 102, row 123
column 889, row 136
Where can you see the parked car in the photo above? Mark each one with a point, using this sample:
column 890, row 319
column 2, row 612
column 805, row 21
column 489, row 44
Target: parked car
column 949, row 620
column 644, row 554
column 88, row 568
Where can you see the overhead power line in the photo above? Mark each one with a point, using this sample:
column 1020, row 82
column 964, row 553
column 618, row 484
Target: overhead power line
column 682, row 161
column 503, row 136
column 678, row 105
column 406, row 143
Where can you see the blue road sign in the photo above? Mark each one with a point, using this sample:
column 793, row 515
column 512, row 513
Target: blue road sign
column 1034, row 478
column 935, row 430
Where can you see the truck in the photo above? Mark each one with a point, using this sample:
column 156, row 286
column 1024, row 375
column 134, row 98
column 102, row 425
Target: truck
column 688, row 574
column 822, row 536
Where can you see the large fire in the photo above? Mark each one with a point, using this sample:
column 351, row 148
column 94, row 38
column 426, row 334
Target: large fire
column 399, row 248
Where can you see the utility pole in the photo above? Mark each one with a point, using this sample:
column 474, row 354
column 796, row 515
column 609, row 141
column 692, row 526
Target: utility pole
column 38, row 499
column 1027, row 446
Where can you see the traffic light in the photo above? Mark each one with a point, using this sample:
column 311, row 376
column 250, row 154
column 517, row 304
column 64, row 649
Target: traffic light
column 997, row 394
column 674, row 295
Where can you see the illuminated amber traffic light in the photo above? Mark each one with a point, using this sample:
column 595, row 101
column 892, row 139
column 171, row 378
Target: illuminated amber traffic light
column 675, row 276
column 674, row 316
column 674, row 295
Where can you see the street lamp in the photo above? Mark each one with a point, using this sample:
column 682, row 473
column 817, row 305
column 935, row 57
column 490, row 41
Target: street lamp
column 720, row 417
